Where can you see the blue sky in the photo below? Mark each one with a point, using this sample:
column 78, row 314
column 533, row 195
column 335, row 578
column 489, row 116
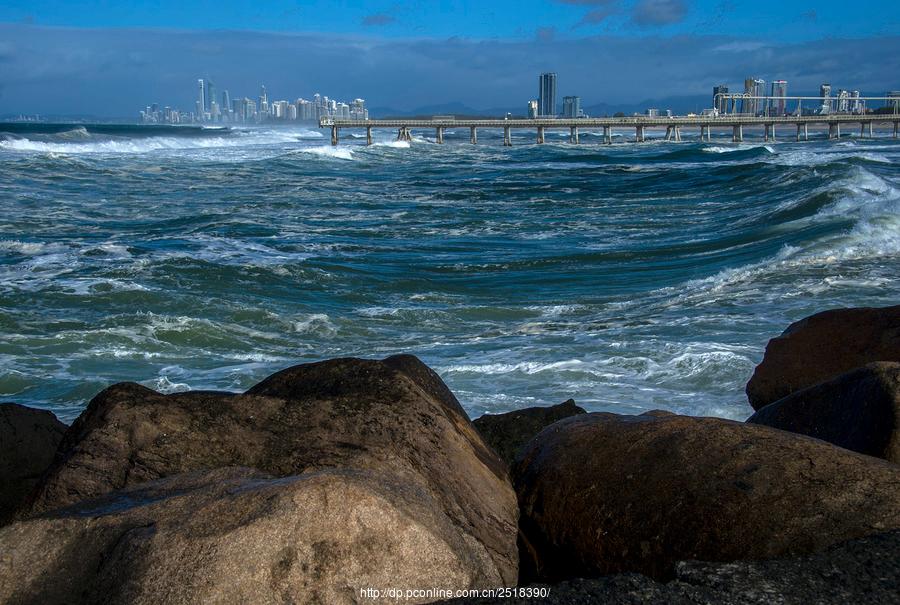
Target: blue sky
column 111, row 58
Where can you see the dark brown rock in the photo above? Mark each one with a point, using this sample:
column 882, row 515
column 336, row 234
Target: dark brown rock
column 603, row 493
column 866, row 570
column 859, row 410
column 239, row 536
column 822, row 347
column 390, row 417
column 508, row 432
column 28, row 441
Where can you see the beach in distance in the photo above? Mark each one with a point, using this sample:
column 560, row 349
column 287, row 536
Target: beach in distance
column 628, row 277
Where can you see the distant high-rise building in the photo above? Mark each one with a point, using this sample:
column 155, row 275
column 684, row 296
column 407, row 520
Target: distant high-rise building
column 547, row 95
column 201, row 98
column 720, row 102
column 263, row 101
column 779, row 103
column 652, row 113
column 856, row 106
column 825, row 94
column 210, row 95
column 572, row 107
column 894, row 100
column 755, row 90
column 533, row 109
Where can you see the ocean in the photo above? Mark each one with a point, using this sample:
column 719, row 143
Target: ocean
column 628, row 277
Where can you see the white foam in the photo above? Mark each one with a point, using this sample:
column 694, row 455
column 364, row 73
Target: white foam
column 394, row 144
column 330, row 151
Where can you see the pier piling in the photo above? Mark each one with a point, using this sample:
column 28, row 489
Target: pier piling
column 507, row 142
column 540, row 135
column 368, row 135
column 607, row 135
column 439, row 135
column 737, row 133
column 639, row 134
column 334, row 135
column 473, row 135
column 573, row 135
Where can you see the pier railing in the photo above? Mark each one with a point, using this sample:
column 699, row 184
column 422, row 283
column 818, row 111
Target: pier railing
column 672, row 124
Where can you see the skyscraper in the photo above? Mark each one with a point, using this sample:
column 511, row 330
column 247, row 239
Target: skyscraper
column 779, row 92
column 547, row 95
column 201, row 99
column 210, row 95
column 572, row 107
column 263, row 100
column 825, row 93
column 719, row 101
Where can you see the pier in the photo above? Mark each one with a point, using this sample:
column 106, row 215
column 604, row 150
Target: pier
column 673, row 125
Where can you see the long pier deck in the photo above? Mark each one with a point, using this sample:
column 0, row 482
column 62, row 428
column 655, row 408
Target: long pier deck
column 672, row 125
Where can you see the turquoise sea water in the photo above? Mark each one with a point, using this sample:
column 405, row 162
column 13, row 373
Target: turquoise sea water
column 628, row 277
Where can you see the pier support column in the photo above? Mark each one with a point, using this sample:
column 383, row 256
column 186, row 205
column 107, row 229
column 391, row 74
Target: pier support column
column 677, row 132
column 639, row 134
column 507, row 142
column 368, row 135
column 607, row 135
column 704, row 133
column 334, row 135
column 439, row 135
column 737, row 133
column 770, row 132
column 799, row 129
column 896, row 129
column 540, row 135
column 834, row 130
column 473, row 135
column 806, row 132
column 668, row 136
column 573, row 135
column 869, row 129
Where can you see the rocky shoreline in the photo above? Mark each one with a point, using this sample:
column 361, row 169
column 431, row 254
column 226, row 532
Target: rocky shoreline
column 336, row 481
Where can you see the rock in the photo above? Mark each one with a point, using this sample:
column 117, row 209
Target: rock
column 393, row 417
column 859, row 410
column 866, row 570
column 507, row 433
column 603, row 493
column 28, row 441
column 238, row 536
column 823, row 346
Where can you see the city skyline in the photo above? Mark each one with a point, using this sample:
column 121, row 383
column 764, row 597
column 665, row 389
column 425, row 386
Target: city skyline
column 80, row 58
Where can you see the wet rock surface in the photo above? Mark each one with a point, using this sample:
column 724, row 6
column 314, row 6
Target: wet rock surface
column 28, row 442
column 393, row 418
column 602, row 494
column 823, row 346
column 859, row 410
column 508, row 433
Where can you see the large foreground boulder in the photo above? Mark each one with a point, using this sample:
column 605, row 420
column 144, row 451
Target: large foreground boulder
column 859, row 410
column 823, row 346
column 238, row 536
column 603, row 493
column 508, row 432
column 28, row 441
column 392, row 417
column 866, row 570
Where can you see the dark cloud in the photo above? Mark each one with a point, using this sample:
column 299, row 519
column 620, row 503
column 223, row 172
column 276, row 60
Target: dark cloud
column 648, row 13
column 378, row 19
column 601, row 11
column 116, row 72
